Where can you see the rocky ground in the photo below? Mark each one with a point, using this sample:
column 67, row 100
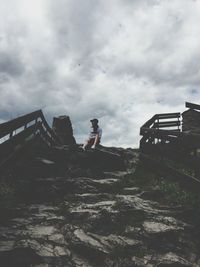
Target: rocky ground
column 93, row 208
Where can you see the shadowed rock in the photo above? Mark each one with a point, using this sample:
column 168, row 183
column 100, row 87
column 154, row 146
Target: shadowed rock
column 101, row 159
column 63, row 128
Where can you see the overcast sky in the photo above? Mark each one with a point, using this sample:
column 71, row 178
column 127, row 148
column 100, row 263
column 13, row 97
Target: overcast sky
column 121, row 61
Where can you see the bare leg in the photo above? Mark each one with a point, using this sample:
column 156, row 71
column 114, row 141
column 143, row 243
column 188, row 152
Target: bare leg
column 88, row 143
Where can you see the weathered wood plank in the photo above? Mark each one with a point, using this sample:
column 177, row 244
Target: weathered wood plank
column 46, row 136
column 169, row 115
column 49, row 129
column 150, row 121
column 192, row 105
column 167, row 124
column 12, row 125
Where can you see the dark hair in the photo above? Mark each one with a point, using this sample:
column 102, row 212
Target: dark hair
column 94, row 121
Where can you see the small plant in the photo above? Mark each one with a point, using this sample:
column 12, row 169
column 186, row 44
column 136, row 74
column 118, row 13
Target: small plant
column 5, row 189
column 142, row 177
column 174, row 193
column 179, row 166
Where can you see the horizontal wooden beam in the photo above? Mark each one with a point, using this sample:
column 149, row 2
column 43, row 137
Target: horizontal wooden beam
column 151, row 131
column 192, row 105
column 169, row 115
column 185, row 138
column 156, row 117
column 166, row 124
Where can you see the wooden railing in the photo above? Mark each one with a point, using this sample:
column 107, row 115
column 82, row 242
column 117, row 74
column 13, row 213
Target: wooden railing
column 154, row 130
column 162, row 137
column 192, row 105
column 15, row 133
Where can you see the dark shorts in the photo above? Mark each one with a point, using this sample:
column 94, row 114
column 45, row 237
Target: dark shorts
column 90, row 142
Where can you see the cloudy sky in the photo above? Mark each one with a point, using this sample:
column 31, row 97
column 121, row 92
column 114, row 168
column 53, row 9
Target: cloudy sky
column 121, row 61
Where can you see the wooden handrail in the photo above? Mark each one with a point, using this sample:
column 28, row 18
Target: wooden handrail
column 7, row 128
column 7, row 147
column 167, row 124
column 49, row 129
column 12, row 125
column 35, row 125
column 149, row 122
column 151, row 130
column 192, row 105
column 156, row 134
column 160, row 117
column 169, row 115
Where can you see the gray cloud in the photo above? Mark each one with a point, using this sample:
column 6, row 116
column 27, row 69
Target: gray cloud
column 118, row 60
column 10, row 64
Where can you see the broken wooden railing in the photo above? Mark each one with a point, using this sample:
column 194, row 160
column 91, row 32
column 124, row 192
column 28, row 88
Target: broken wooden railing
column 15, row 133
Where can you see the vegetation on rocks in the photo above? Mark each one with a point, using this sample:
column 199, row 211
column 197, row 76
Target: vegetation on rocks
column 171, row 191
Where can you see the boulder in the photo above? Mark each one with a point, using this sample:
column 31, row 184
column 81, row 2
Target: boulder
column 98, row 159
column 63, row 128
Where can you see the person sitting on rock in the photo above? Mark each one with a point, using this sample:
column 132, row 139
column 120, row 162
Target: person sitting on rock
column 94, row 136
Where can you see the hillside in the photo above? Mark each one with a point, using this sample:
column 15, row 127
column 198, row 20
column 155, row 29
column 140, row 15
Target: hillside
column 67, row 207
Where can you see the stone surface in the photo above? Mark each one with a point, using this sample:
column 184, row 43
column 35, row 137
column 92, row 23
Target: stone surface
column 87, row 214
column 191, row 121
column 63, row 128
column 157, row 227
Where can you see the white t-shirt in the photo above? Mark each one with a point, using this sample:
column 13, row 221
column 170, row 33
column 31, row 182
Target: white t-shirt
column 99, row 132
